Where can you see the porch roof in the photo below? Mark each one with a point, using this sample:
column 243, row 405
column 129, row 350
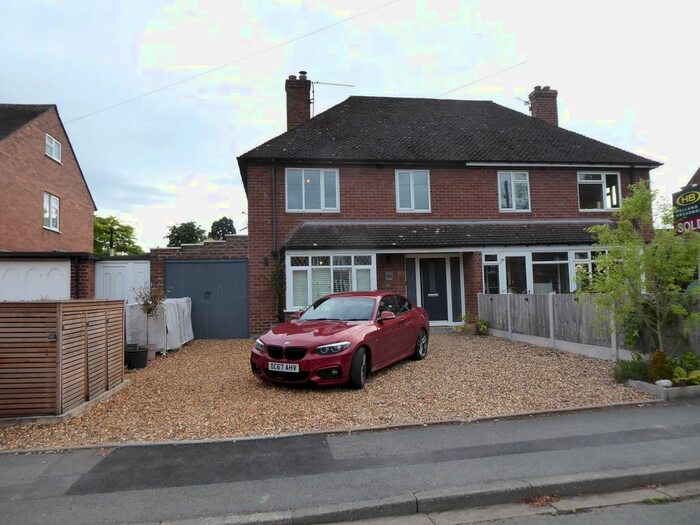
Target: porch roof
column 438, row 234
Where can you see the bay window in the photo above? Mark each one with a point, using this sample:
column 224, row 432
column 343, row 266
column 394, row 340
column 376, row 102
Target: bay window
column 310, row 277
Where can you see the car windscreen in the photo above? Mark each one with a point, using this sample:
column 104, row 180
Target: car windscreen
column 341, row 309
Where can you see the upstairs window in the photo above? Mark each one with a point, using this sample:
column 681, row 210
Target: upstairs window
column 598, row 191
column 514, row 191
column 413, row 191
column 310, row 190
column 52, row 205
column 53, row 148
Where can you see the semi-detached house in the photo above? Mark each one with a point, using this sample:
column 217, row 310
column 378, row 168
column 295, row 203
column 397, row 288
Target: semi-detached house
column 436, row 199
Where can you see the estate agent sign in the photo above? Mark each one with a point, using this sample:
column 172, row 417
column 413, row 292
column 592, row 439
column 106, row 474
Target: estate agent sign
column 686, row 210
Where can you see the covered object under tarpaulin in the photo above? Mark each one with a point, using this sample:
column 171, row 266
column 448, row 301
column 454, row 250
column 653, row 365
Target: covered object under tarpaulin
column 170, row 329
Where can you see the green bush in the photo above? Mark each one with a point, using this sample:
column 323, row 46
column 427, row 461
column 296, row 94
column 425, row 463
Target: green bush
column 680, row 376
column 693, row 378
column 482, row 327
column 660, row 367
column 688, row 361
column 637, row 369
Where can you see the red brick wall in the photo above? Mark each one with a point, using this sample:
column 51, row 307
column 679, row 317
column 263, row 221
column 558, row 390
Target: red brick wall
column 473, row 281
column 234, row 247
column 26, row 173
column 368, row 193
column 82, row 278
column 396, row 264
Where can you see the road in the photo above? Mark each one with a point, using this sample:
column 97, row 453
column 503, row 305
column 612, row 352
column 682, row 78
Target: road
column 170, row 482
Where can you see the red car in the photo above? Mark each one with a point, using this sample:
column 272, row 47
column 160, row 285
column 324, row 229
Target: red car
column 342, row 338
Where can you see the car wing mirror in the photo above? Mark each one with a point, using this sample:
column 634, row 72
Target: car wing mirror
column 387, row 316
column 297, row 314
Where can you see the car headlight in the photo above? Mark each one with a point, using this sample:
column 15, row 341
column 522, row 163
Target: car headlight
column 334, row 348
column 259, row 345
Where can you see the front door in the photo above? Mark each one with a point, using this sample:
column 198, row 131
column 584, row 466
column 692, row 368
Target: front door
column 433, row 281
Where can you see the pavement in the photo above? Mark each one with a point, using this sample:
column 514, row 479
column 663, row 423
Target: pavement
column 323, row 478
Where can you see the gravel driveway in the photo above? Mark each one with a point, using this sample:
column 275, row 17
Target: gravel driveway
column 206, row 390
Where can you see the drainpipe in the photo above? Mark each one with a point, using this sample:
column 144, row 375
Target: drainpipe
column 274, row 210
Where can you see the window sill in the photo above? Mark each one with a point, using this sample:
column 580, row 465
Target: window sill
column 54, row 230
column 56, row 161
column 313, row 211
column 598, row 210
column 515, row 211
column 413, row 211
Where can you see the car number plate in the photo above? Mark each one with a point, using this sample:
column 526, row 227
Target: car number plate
column 283, row 367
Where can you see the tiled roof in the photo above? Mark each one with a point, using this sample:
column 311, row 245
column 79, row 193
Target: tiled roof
column 386, row 129
column 14, row 116
column 414, row 235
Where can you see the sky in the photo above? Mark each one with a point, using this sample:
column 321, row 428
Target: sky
column 626, row 72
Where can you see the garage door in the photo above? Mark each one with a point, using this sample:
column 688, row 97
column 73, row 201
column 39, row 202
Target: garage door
column 34, row 280
column 219, row 293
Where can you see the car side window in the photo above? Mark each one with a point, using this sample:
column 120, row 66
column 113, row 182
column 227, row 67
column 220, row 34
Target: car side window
column 403, row 304
column 387, row 304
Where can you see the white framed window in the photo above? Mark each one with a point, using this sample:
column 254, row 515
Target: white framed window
column 312, row 190
column 52, row 212
column 513, row 191
column 53, row 148
column 413, row 191
column 310, row 277
column 598, row 191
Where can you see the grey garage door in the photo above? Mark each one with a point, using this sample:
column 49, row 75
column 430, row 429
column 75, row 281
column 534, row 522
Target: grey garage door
column 219, row 292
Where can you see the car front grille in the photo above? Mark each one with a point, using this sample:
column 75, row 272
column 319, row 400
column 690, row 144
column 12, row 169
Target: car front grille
column 294, row 353
column 291, row 353
column 275, row 352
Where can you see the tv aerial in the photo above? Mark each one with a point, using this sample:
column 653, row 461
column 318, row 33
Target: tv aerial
column 313, row 92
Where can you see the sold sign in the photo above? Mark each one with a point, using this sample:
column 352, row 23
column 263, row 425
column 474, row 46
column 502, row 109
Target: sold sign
column 686, row 210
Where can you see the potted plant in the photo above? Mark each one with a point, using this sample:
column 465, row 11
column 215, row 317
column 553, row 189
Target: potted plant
column 149, row 299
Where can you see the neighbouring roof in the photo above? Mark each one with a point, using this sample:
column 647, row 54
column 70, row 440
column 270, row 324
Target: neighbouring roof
column 14, row 116
column 695, row 179
column 419, row 130
column 413, row 235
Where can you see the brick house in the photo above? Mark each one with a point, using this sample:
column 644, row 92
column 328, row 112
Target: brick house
column 46, row 209
column 437, row 199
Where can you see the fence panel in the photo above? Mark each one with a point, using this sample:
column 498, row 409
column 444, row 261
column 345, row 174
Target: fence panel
column 493, row 309
column 530, row 314
column 576, row 320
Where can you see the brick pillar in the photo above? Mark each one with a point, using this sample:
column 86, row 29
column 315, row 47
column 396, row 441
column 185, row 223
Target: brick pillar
column 82, row 278
column 473, row 281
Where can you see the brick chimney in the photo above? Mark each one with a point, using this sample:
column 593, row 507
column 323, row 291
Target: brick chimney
column 543, row 104
column 298, row 100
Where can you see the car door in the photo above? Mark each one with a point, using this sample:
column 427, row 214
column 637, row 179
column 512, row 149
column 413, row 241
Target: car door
column 409, row 322
column 389, row 333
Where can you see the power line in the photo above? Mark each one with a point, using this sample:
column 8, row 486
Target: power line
column 480, row 79
column 217, row 68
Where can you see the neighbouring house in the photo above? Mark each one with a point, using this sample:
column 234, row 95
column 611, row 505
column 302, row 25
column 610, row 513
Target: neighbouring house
column 437, row 199
column 694, row 180
column 46, row 209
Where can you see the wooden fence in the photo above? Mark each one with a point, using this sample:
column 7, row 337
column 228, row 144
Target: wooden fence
column 54, row 356
column 562, row 321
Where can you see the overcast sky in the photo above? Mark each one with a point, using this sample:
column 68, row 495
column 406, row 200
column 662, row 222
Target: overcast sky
column 626, row 72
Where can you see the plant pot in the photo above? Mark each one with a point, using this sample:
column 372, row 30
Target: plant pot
column 151, row 352
column 136, row 356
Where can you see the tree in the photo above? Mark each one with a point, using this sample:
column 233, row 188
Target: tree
column 121, row 234
column 222, row 227
column 185, row 233
column 643, row 277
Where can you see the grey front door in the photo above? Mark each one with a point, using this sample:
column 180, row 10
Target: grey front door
column 433, row 281
column 219, row 293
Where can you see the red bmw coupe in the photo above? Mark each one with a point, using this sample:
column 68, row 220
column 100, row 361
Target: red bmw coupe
column 342, row 338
